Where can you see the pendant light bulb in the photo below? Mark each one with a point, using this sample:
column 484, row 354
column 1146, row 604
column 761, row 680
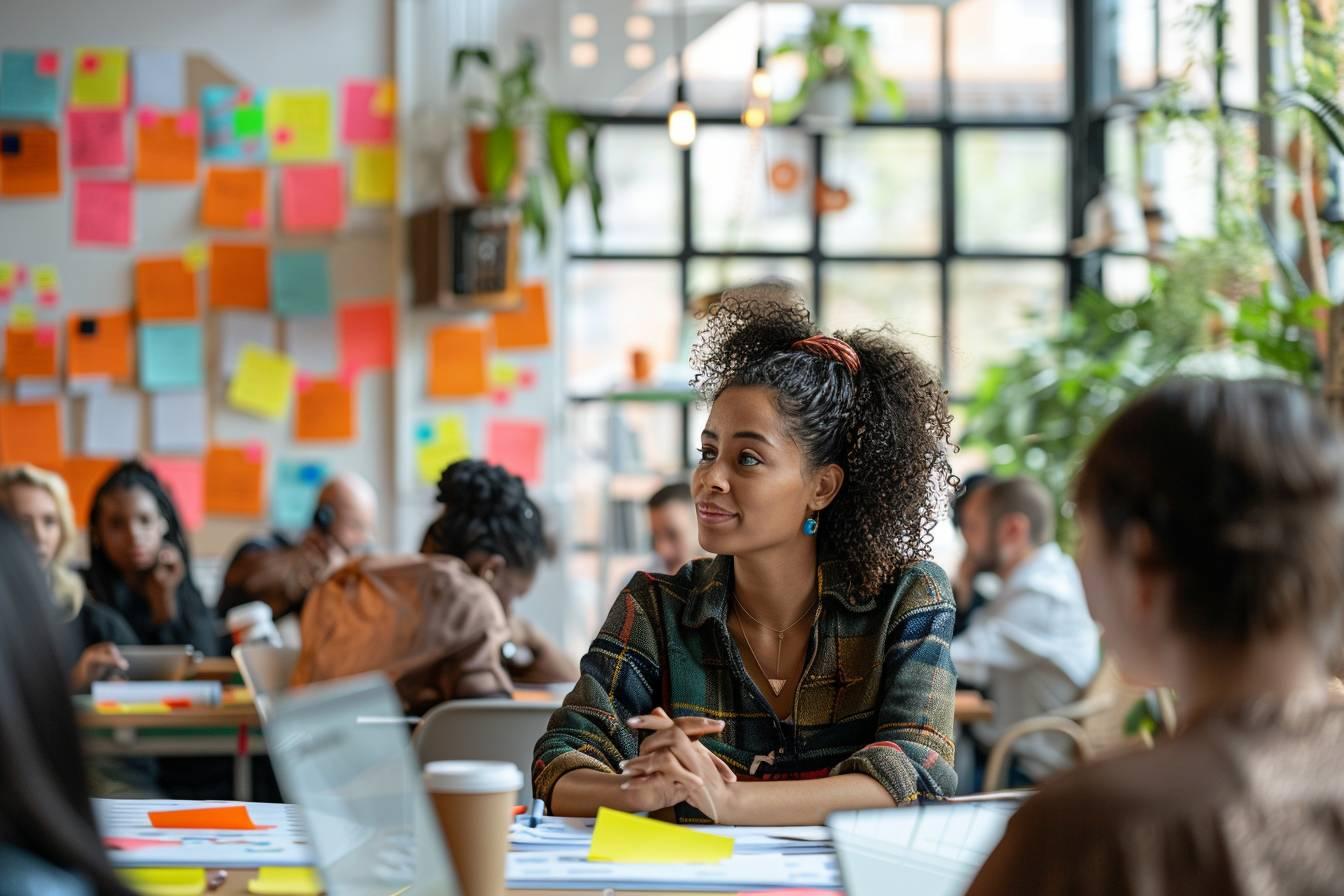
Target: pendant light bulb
column 681, row 124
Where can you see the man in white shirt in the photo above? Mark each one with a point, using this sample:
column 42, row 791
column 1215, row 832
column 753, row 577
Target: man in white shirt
column 1034, row 647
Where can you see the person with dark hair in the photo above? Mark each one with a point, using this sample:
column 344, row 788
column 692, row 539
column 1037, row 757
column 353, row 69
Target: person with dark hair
column 140, row 563
column 970, row 597
column 1033, row 648
column 805, row 667
column 1212, row 514
column 672, row 525
column 49, row 843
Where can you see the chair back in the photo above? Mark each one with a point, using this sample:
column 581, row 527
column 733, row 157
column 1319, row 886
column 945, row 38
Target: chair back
column 499, row 729
column 266, row 671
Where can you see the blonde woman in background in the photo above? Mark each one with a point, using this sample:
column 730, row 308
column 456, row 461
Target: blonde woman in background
column 40, row 503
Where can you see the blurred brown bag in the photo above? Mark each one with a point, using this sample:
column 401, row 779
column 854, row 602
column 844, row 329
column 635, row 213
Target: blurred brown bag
column 427, row 621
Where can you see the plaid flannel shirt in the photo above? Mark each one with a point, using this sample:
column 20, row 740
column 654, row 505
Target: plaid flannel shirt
column 876, row 696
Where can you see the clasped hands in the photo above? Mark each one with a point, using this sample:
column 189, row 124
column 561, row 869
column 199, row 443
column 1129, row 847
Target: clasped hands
column 674, row 767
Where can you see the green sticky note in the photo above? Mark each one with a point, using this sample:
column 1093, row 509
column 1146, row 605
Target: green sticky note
column 171, row 357
column 164, row 881
column 622, row 837
column 285, row 882
column 249, row 121
column 300, row 284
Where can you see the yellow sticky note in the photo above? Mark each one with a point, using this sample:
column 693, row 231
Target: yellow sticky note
column 263, row 382
column 298, row 125
column 164, row 881
column 503, row 374
column 439, row 445
column 285, row 882
column 23, row 316
column 196, row 256
column 375, row 181
column 7, row 273
column 622, row 837
column 99, row 78
column 46, row 278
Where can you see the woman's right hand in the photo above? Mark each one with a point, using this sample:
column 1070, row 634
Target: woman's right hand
column 97, row 663
column 661, row 788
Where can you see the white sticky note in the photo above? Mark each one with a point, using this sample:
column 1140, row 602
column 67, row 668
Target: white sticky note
column 112, row 424
column 88, row 385
column 311, row 342
column 159, row 79
column 31, row 388
column 240, row 328
column 178, row 422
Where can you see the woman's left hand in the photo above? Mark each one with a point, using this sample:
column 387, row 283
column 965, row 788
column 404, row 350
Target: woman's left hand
column 674, row 756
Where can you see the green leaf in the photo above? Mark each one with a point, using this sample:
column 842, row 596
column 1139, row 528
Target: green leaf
column 534, row 209
column 501, row 159
column 590, row 178
column 894, row 96
column 464, row 54
column 559, row 125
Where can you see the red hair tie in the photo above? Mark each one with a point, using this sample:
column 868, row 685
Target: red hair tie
column 830, row 348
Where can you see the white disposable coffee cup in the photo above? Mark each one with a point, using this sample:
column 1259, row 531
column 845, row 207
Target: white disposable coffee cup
column 474, row 803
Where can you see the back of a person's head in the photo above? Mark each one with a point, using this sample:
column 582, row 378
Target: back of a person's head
column 486, row 508
column 45, row 811
column 1023, row 495
column 1241, row 485
column 673, row 493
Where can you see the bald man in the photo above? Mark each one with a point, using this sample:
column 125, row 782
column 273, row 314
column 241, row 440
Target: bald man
column 280, row 571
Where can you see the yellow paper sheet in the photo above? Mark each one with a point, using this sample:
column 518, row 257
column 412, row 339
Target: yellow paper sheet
column 99, row 78
column 445, row 443
column 285, row 882
column 622, row 837
column 375, row 175
column 298, row 123
column 164, row 881
column 263, row 383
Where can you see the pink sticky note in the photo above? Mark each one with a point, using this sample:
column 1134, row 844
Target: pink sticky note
column 127, row 844
column 361, row 121
column 253, row 218
column 516, row 446
column 184, row 477
column 527, row 378
column 312, row 198
column 6, row 293
column 284, row 136
column 500, row 397
column 20, row 275
column 90, row 62
column 243, row 97
column 48, row 63
column 302, row 382
column 104, row 213
column 45, row 335
column 188, row 123
column 254, row 452
column 147, row 118
column 96, row 137
column 48, row 298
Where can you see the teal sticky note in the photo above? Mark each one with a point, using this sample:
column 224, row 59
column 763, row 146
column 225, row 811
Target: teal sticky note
column 294, row 492
column 300, row 284
column 28, row 85
column 171, row 357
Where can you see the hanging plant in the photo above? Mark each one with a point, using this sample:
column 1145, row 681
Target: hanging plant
column 842, row 79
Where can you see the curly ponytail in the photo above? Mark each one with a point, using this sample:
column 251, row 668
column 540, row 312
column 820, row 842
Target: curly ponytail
column 487, row 508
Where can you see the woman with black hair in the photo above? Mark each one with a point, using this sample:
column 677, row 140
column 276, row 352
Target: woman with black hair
column 48, row 841
column 140, row 564
column 805, row 668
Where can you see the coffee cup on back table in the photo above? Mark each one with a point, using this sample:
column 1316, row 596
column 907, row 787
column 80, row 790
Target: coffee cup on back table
column 474, row 804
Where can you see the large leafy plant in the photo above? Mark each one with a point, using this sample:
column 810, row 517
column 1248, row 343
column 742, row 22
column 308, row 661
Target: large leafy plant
column 835, row 51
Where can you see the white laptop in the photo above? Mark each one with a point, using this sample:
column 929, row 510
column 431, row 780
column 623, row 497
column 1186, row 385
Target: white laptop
column 934, row 849
column 372, row 829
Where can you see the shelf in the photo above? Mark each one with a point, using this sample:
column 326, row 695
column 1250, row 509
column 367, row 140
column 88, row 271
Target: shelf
column 645, row 396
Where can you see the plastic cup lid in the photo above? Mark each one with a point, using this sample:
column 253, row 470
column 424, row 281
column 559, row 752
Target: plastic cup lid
column 470, row 776
column 247, row 614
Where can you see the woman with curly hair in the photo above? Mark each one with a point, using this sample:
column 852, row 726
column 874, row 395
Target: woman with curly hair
column 805, row 668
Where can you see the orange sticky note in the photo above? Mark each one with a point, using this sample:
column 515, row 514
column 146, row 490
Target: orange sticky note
column 312, row 198
column 167, row 147
column 165, row 289
column 30, row 162
column 530, row 325
column 31, row 434
column 99, row 345
column 235, row 199
column 221, row 818
column 368, row 333
column 83, row 475
column 240, row 276
column 234, row 480
column 325, row 411
column 456, row 362
column 30, row 351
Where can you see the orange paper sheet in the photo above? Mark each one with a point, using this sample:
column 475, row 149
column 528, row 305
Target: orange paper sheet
column 368, row 333
column 165, row 289
column 235, row 199
column 240, row 276
column 456, row 362
column 222, row 818
column 325, row 411
column 30, row 351
column 30, row 162
column 529, row 326
column 83, row 475
column 31, row 434
column 167, row 147
column 234, row 480
column 99, row 345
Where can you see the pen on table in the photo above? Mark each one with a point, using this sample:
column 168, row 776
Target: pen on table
column 538, row 810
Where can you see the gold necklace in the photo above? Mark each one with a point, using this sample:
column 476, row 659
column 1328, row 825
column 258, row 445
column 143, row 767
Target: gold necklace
column 776, row 683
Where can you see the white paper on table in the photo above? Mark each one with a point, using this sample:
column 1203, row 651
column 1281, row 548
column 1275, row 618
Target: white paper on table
column 240, row 328
column 31, row 388
column 569, row 870
column 311, row 343
column 178, row 424
column 126, row 822
column 577, row 834
column 112, row 424
column 159, row 78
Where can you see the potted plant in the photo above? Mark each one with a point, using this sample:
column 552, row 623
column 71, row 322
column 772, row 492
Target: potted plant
column 497, row 140
column 841, row 80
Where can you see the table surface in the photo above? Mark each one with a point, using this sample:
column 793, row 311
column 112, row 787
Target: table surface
column 236, row 885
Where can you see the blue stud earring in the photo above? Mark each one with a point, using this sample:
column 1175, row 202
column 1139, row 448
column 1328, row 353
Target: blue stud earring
column 810, row 526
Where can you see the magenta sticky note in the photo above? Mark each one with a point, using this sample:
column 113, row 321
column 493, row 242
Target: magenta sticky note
column 147, row 118
column 48, row 299
column 188, row 123
column 90, row 62
column 361, row 119
column 527, row 378
column 45, row 335
column 500, row 397
column 96, row 137
column 184, row 477
column 48, row 63
column 20, row 274
column 302, row 382
column 254, row 452
column 312, row 198
column 516, row 446
column 104, row 213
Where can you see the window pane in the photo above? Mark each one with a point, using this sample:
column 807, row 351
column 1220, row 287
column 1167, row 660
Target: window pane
column 1242, row 51
column 1135, row 45
column 858, row 295
column 892, row 178
column 1187, row 160
column 906, row 47
column 752, row 189
column 1124, row 278
column 990, row 304
column 1008, row 58
column 1122, row 155
column 1187, row 46
column 641, row 192
column 1010, row 190
column 711, row 275
column 613, row 309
